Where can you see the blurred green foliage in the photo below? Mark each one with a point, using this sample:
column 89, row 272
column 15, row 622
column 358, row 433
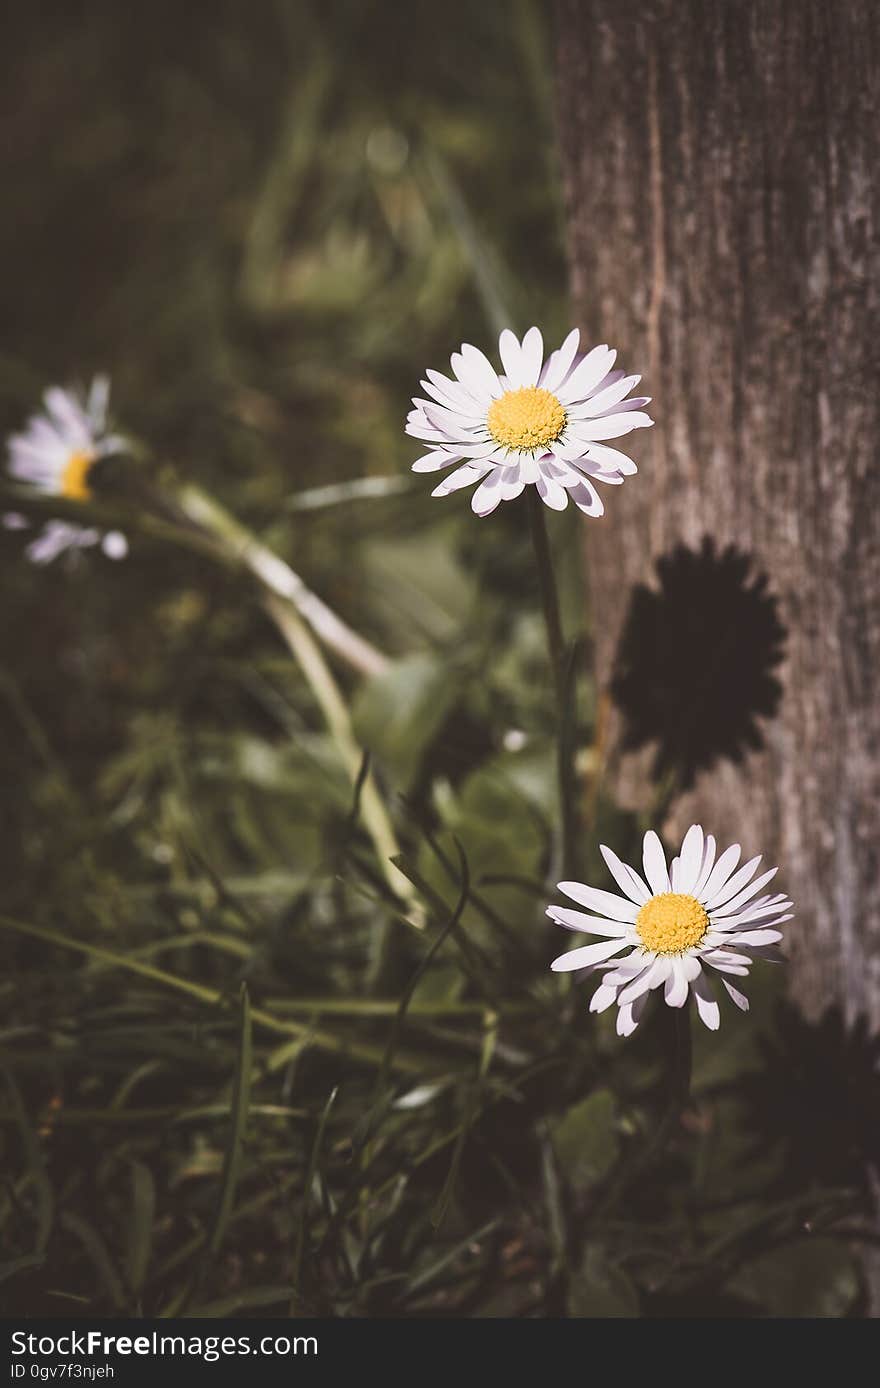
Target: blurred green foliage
column 264, row 222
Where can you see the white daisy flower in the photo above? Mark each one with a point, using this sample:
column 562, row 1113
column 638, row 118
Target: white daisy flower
column 542, row 422
column 55, row 454
column 701, row 914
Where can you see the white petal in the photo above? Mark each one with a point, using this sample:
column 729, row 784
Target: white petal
column 462, row 477
column 691, row 859
column 603, row 997
column 454, row 393
column 68, row 416
column 586, row 956
column 98, row 402
column 708, row 864
column 463, row 404
column 654, row 863
column 480, row 448
column 598, row 474
column 757, row 937
column 630, row 1015
column 624, row 970
column 625, row 1023
column 468, row 428
column 617, row 908
column 476, row 371
column 532, row 357
column 560, row 361
column 726, row 962
column 721, row 871
column 604, row 399
column 433, row 461
column 591, row 925
column 627, row 878
column 734, row 883
column 676, row 989
column 569, row 448
column 587, row 499
column 419, row 428
column 707, row 1006
column 732, row 906
column 511, row 355
column 58, row 536
column 488, row 495
column 512, row 484
column 610, row 426
column 739, row 998
column 751, row 917
column 652, row 977
column 611, row 458
column 586, row 375
column 552, row 494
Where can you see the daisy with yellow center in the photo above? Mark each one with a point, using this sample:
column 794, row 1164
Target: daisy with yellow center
column 678, row 926
column 526, row 419
column 538, row 422
column 56, row 453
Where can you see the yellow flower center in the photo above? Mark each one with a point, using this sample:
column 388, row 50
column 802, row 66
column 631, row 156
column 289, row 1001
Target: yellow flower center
column 671, row 922
column 73, row 483
column 526, row 419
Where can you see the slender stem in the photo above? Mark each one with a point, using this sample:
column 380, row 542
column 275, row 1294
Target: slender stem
column 677, row 1034
column 281, row 580
column 549, row 594
column 680, row 1061
column 326, row 691
column 562, row 678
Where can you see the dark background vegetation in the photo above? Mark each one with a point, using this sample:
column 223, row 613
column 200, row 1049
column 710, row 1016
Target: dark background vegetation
column 264, row 221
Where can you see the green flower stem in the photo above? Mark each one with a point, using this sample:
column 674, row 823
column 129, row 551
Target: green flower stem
column 560, row 665
column 681, row 1063
column 327, row 694
column 279, row 578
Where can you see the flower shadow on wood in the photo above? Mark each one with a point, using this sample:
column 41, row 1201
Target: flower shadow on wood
column 695, row 665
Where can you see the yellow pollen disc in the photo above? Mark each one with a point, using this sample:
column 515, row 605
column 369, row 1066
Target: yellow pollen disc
column 73, row 479
column 526, row 419
column 671, row 923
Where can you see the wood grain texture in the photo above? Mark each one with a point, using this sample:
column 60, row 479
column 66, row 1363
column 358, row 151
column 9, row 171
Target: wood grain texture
column 723, row 203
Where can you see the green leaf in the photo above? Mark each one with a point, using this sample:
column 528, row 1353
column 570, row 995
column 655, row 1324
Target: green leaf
column 241, row 1084
column 140, row 1236
column 585, row 1139
column 99, row 1254
column 601, row 1291
column 240, row 1301
column 37, row 1173
column 809, row 1277
column 398, row 711
column 418, row 586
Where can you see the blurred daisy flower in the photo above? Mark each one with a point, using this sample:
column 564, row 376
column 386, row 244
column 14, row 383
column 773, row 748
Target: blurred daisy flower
column 699, row 914
column 55, row 454
column 542, row 422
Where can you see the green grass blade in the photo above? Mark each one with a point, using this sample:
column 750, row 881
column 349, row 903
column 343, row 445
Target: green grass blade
column 241, row 1090
column 371, row 1055
column 140, row 1237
